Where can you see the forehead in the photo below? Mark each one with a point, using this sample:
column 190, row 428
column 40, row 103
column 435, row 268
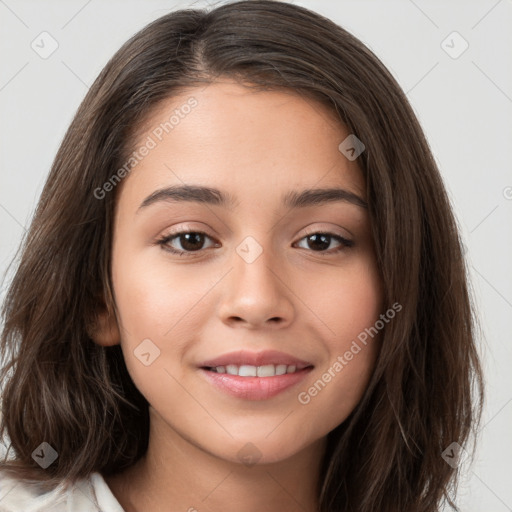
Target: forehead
column 250, row 143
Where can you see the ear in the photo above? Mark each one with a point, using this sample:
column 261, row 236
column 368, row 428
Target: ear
column 105, row 331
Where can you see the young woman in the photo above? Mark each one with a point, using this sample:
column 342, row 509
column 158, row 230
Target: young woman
column 243, row 286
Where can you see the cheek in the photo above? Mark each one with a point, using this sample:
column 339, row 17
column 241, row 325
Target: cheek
column 154, row 304
column 151, row 299
column 353, row 346
column 332, row 397
column 351, row 302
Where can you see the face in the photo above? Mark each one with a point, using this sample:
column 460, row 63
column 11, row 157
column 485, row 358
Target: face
column 278, row 291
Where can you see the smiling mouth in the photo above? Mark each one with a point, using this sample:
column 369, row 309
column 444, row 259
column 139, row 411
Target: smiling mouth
column 245, row 370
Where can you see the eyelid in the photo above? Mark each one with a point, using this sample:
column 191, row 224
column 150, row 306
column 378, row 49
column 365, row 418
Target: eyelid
column 308, row 231
column 345, row 243
column 163, row 241
column 329, row 230
column 165, row 238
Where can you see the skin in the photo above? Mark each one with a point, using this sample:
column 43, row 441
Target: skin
column 294, row 297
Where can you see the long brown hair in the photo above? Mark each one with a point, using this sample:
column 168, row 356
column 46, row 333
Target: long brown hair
column 427, row 389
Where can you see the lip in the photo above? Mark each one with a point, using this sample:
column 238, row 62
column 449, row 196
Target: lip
column 254, row 388
column 241, row 357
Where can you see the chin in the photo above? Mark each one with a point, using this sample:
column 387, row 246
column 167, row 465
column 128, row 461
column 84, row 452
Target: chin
column 260, row 450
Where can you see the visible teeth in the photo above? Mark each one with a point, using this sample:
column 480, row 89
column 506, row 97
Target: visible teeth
column 280, row 369
column 269, row 370
column 246, row 370
column 232, row 369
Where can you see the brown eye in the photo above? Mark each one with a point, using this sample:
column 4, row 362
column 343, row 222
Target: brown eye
column 319, row 242
column 188, row 241
column 193, row 241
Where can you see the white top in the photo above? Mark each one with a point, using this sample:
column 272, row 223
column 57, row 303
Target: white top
column 87, row 495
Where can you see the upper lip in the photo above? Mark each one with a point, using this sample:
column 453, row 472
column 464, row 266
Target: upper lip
column 245, row 357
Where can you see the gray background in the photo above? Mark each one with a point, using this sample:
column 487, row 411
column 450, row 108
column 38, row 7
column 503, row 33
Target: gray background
column 464, row 105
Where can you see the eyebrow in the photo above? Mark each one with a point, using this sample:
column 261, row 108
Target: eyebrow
column 215, row 197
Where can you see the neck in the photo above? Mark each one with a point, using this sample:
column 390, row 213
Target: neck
column 175, row 472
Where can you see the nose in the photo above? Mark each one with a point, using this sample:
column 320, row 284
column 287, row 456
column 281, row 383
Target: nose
column 256, row 293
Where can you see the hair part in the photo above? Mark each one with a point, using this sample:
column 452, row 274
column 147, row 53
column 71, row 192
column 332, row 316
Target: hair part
column 66, row 390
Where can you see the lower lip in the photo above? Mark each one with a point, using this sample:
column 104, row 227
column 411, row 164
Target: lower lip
column 254, row 388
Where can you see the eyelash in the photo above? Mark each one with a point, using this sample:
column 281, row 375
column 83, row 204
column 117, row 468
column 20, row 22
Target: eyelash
column 164, row 241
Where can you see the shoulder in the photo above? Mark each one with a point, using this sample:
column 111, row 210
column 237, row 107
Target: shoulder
column 87, row 495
